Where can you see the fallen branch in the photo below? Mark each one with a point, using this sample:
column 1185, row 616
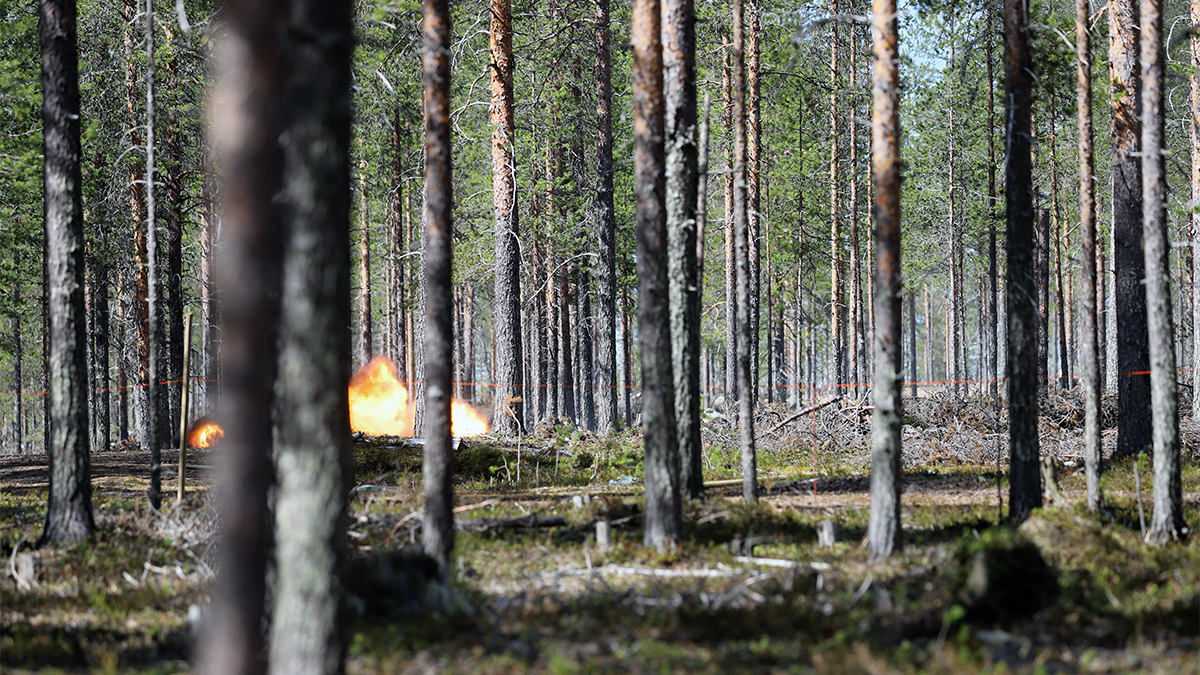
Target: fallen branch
column 804, row 412
column 652, row 572
column 485, row 524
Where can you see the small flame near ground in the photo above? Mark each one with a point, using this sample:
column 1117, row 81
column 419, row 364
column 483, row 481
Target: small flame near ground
column 379, row 406
column 205, row 433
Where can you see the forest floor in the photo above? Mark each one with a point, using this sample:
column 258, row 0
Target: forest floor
column 751, row 589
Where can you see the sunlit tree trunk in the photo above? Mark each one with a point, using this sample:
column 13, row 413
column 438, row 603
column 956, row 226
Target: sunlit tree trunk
column 741, row 236
column 883, row 530
column 154, row 402
column 1167, row 524
column 506, row 306
column 837, row 245
column 315, row 465
column 1194, row 185
column 365, row 332
column 606, row 279
column 754, row 187
column 679, row 85
column 993, row 297
column 731, row 381
column 69, row 512
column 664, row 519
column 855, row 309
column 1090, row 366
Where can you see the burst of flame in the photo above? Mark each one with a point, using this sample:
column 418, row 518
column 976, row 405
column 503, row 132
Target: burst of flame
column 204, row 434
column 465, row 420
column 378, row 402
column 379, row 406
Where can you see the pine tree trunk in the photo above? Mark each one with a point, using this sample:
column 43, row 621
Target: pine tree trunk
column 1042, row 273
column 912, row 341
column 837, row 245
column 174, row 285
column 731, row 381
column 679, row 85
column 606, row 279
column 209, row 370
column 137, row 209
column 1167, row 524
column 437, row 535
column 154, row 394
column 583, row 360
column 754, row 187
column 664, row 519
column 103, row 439
column 626, row 365
column 855, row 301
column 1194, row 185
column 1060, row 322
column 741, row 236
column 506, row 318
column 315, row 465
column 1025, row 491
column 566, row 342
column 468, row 329
column 365, row 334
column 1129, row 262
column 883, row 529
column 697, row 296
column 251, row 158
column 993, row 297
column 69, row 512
column 1090, row 364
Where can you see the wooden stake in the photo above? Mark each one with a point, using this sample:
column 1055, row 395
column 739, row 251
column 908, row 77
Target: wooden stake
column 183, row 405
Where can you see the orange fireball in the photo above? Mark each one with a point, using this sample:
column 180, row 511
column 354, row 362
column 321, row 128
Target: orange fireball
column 380, row 405
column 205, row 433
column 378, row 402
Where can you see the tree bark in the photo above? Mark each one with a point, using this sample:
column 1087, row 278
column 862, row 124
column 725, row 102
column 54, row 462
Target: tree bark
column 69, row 511
column 103, row 438
column 1133, row 355
column 246, row 127
column 1025, row 492
column 837, row 245
column 664, row 519
column 993, row 215
column 310, row 622
column 1194, row 193
column 606, row 278
column 854, row 306
column 566, row 337
column 883, row 529
column 438, row 532
column 155, row 402
column 1167, row 524
column 741, row 236
column 365, row 332
column 754, row 216
column 731, row 333
column 1090, row 366
column 1042, row 273
column 679, row 84
column 506, row 319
